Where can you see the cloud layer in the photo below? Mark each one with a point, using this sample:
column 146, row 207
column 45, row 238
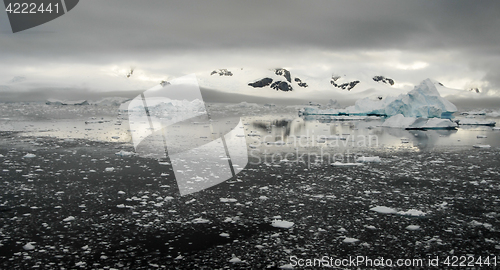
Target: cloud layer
column 93, row 46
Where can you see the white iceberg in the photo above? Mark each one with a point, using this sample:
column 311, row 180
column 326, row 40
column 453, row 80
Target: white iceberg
column 476, row 122
column 423, row 101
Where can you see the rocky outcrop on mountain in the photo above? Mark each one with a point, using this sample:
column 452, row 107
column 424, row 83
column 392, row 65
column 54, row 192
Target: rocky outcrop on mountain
column 276, row 82
column 281, row 85
column 300, row 82
column 383, row 79
column 283, row 72
column 222, row 72
column 344, row 86
column 261, row 83
column 474, row 90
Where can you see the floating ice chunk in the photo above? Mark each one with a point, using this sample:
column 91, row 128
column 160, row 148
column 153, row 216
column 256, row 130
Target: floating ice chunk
column 121, row 192
column 412, row 227
column 123, row 153
column 340, row 164
column 109, row 169
column 235, row 259
column 350, row 240
column 476, row 122
column 68, row 219
column 28, row 247
column 481, row 146
column 200, row 221
column 368, row 160
column 481, row 136
column 80, row 264
column 282, row 224
column 29, row 155
column 383, row 210
column 224, row 235
column 228, row 200
column 121, row 206
column 412, row 212
column 287, row 266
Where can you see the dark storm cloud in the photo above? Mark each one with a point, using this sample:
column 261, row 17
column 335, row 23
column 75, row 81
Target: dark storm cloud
column 139, row 27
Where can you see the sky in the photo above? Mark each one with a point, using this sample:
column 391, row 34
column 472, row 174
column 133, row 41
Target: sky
column 91, row 49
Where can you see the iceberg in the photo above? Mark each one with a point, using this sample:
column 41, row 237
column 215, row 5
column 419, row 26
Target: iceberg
column 423, row 101
column 476, row 122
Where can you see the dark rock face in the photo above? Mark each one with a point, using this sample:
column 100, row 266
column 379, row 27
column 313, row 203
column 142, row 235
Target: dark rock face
column 300, row 83
column 475, row 90
column 281, row 85
column 222, row 72
column 344, row 86
column 383, row 79
column 283, row 72
column 261, row 83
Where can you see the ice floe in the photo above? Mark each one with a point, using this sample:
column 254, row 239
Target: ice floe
column 383, row 210
column 412, row 227
column 368, row 160
column 68, row 219
column 282, row 224
column 481, row 146
column 348, row 164
column 350, row 240
column 28, row 247
column 412, row 212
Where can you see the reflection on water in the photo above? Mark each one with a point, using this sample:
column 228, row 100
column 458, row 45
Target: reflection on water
column 344, row 133
column 276, row 131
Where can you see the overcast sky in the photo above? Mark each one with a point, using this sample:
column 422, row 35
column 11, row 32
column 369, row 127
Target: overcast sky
column 92, row 47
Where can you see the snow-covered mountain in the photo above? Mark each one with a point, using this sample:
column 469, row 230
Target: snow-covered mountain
column 305, row 84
